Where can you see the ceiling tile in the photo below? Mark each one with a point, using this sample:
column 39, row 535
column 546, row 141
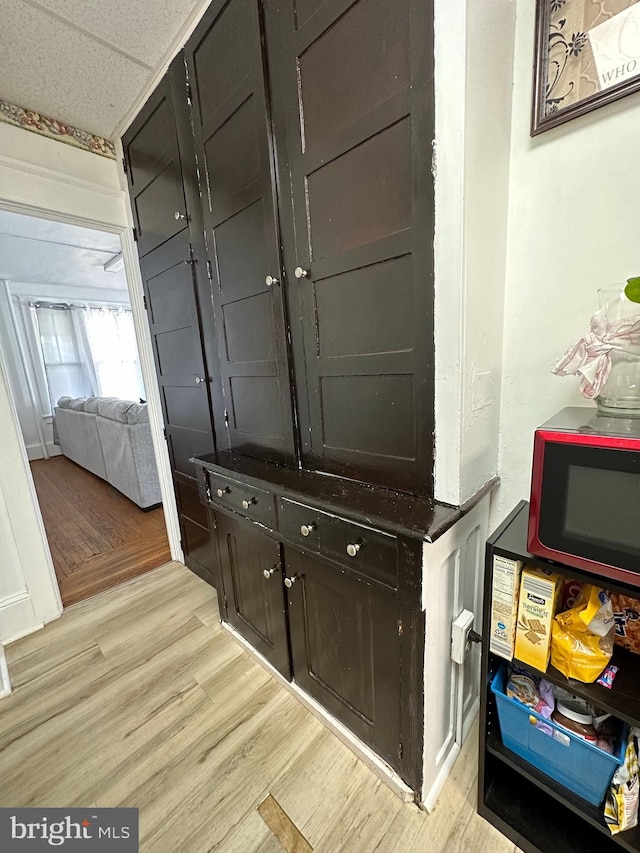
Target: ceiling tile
column 141, row 28
column 47, row 66
column 50, row 231
column 48, row 263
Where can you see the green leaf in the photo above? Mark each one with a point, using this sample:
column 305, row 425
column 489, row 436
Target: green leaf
column 632, row 290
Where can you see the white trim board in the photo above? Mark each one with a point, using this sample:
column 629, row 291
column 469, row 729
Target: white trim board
column 5, row 684
column 16, row 611
column 60, row 177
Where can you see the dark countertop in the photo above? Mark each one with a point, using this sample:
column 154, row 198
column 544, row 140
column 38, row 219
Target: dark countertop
column 417, row 517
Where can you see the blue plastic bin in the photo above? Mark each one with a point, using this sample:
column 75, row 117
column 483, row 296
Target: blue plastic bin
column 576, row 764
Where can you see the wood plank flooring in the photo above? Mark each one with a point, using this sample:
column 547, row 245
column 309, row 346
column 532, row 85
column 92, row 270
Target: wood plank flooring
column 98, row 537
column 139, row 698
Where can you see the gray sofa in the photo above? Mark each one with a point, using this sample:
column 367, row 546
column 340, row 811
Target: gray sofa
column 112, row 439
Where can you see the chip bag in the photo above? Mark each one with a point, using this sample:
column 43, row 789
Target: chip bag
column 621, row 804
column 582, row 637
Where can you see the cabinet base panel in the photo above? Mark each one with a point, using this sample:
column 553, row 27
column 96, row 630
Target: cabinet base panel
column 364, row 753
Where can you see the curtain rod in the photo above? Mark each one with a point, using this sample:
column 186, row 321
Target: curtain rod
column 67, row 306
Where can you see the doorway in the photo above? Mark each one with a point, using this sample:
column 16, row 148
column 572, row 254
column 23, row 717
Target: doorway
column 71, row 353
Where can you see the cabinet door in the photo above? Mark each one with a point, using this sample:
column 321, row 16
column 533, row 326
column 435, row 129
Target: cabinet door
column 154, row 174
column 176, row 286
column 254, row 600
column 353, row 117
column 232, row 137
column 346, row 650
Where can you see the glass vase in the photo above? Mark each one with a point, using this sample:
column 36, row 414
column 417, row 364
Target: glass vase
column 620, row 395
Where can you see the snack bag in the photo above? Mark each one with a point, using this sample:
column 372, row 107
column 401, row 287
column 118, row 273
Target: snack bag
column 582, row 637
column 621, row 804
column 627, row 615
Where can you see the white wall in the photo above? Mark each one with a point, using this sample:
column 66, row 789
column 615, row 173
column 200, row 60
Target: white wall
column 574, row 226
column 474, row 59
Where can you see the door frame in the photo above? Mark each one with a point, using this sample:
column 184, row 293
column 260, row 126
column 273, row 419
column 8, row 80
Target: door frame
column 147, row 366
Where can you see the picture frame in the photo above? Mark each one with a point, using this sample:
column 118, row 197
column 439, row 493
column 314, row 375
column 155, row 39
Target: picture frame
column 586, row 55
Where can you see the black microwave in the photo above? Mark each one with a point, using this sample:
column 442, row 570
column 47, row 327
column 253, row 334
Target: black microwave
column 585, row 493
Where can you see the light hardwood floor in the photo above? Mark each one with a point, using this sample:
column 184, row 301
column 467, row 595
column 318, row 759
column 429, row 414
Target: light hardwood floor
column 98, row 537
column 137, row 697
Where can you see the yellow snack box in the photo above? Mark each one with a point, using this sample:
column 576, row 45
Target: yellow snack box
column 536, row 608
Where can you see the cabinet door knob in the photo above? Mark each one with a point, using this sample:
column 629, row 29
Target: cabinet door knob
column 307, row 528
column 270, row 280
column 179, row 215
column 289, row 582
column 246, row 504
column 353, row 548
column 300, row 273
column 268, row 572
column 222, row 492
column 200, row 379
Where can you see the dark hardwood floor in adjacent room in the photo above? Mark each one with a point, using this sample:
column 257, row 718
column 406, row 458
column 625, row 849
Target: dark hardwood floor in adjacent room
column 98, row 537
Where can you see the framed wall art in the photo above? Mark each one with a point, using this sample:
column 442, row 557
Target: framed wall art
column 587, row 55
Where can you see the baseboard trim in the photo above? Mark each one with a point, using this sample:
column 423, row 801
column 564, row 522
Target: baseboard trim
column 17, row 617
column 5, row 684
column 34, row 451
column 364, row 753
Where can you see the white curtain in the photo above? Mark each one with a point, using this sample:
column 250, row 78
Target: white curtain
column 111, row 341
column 66, row 371
column 86, row 350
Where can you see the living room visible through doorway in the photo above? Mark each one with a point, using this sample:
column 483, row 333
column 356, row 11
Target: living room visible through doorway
column 70, row 351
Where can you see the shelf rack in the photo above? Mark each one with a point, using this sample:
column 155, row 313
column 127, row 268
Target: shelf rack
column 525, row 804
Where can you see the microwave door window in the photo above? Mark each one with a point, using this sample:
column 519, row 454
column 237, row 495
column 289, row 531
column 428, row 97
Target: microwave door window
column 603, row 508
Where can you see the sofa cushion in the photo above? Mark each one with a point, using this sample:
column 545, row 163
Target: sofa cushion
column 77, row 404
column 63, row 402
column 91, row 404
column 115, row 409
column 137, row 413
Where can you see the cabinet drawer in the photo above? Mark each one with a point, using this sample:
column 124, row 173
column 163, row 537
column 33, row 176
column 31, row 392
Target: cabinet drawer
column 301, row 523
column 368, row 552
column 247, row 500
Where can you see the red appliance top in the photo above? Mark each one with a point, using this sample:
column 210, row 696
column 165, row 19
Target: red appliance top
column 587, row 421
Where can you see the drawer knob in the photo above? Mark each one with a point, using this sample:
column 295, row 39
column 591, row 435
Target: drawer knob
column 246, row 504
column 179, row 216
column 222, row 492
column 268, row 572
column 353, row 548
column 270, row 281
column 289, row 582
column 300, row 273
column 307, row 528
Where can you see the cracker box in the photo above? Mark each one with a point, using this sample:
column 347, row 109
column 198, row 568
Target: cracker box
column 505, row 585
column 539, row 592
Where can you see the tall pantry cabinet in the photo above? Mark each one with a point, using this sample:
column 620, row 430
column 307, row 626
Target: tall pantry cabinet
column 281, row 187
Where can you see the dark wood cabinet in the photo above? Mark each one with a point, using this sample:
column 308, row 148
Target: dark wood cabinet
column 158, row 153
column 346, row 650
column 353, row 118
column 233, row 145
column 281, row 186
column 253, row 589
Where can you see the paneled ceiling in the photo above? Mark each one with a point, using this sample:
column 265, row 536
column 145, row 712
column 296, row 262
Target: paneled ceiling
column 87, row 63
column 40, row 251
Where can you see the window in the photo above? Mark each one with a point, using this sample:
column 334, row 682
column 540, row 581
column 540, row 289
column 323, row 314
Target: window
column 83, row 350
column 66, row 372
